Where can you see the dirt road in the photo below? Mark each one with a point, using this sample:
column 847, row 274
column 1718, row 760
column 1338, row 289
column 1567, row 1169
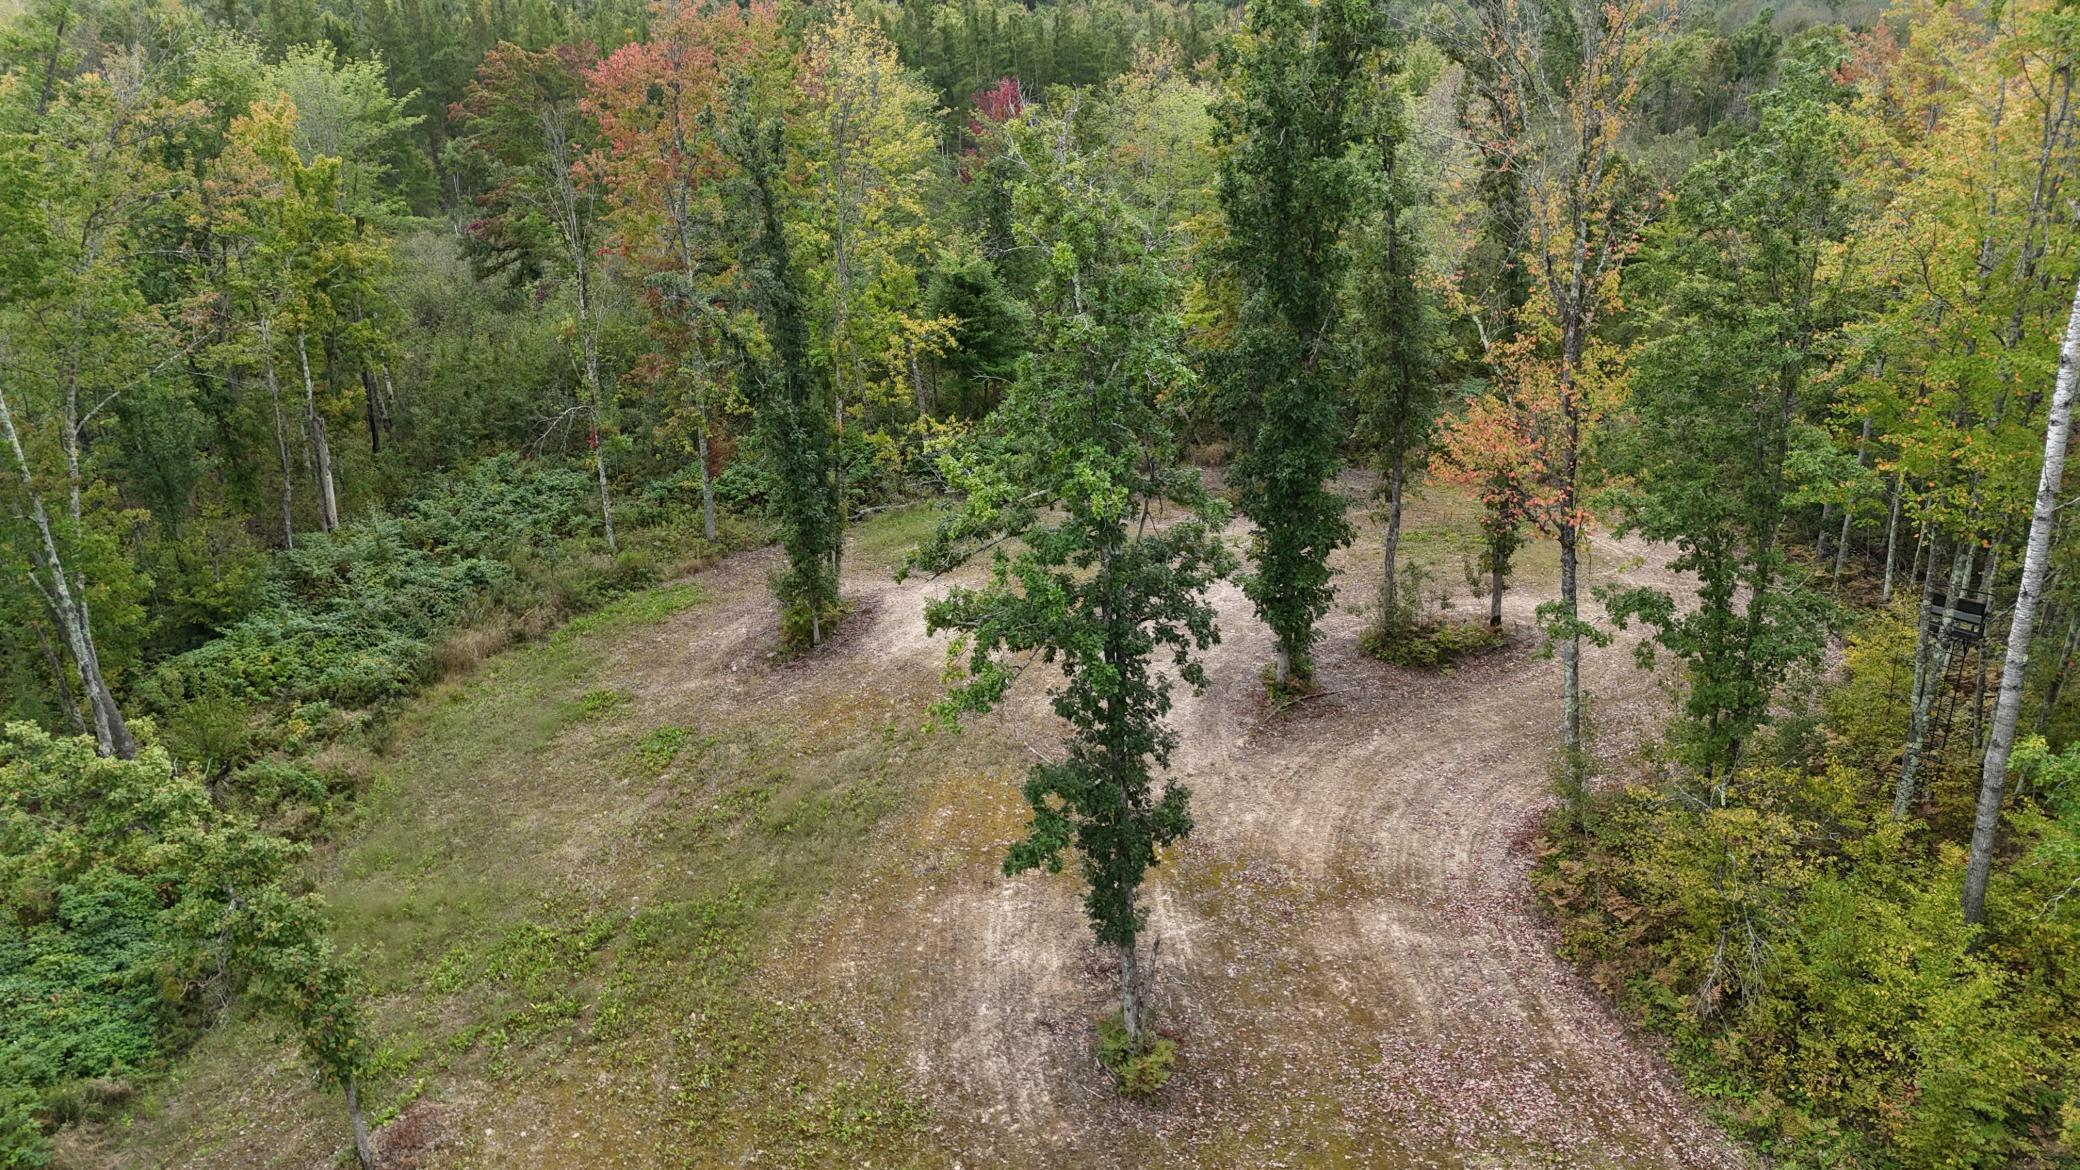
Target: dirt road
column 1345, row 949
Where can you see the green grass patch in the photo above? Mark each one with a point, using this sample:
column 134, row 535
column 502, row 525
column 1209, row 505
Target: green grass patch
column 887, row 537
column 582, row 923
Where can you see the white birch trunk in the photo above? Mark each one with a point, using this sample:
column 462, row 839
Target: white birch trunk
column 1993, row 776
column 67, row 601
column 321, row 446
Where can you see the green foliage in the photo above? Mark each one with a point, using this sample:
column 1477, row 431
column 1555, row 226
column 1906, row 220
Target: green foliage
column 789, row 392
column 354, row 612
column 130, row 904
column 23, row 1145
column 1814, row 974
column 988, row 339
column 1288, row 188
column 1140, row 1070
column 1429, row 644
column 1073, row 467
column 1716, row 415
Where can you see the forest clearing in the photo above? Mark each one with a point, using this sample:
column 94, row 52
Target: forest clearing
column 1039, row 583
column 1349, row 929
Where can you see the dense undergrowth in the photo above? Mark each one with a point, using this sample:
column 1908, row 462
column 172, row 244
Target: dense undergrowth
column 1412, row 633
column 1803, row 951
column 112, row 952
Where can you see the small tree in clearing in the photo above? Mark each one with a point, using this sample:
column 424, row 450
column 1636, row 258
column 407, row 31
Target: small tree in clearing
column 1078, row 466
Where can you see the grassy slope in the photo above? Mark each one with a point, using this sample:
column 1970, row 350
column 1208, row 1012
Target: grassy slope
column 560, row 893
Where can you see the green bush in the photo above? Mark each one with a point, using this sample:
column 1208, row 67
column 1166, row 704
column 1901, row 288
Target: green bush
column 23, row 1145
column 1429, row 645
column 353, row 613
column 1139, row 1071
column 114, row 878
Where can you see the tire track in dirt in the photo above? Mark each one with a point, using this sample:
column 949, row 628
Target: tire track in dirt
column 1346, row 948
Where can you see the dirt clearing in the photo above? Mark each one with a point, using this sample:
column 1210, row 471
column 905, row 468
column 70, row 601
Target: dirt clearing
column 650, row 894
column 1345, row 948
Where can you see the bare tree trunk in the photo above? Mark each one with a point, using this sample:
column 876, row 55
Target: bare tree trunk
column 67, row 600
column 372, row 402
column 1921, row 541
column 321, row 447
column 364, row 1145
column 917, row 384
column 1931, row 663
column 1494, row 596
column 707, row 481
column 1130, row 1005
column 1899, row 490
column 1841, row 544
column 1993, row 777
column 60, row 679
column 1389, row 588
column 1570, row 663
column 2059, row 675
column 595, row 389
column 599, row 468
column 1841, row 548
column 572, row 207
column 389, row 403
column 281, row 434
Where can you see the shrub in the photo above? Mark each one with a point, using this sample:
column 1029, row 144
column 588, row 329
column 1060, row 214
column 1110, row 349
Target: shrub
column 1429, row 645
column 106, row 869
column 22, row 1142
column 1139, row 1071
column 353, row 614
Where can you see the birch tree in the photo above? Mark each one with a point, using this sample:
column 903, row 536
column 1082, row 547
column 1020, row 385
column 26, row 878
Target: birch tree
column 2036, row 559
column 76, row 334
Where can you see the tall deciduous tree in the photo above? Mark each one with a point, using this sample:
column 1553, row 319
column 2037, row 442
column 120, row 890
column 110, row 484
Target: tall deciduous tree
column 789, row 390
column 1968, row 131
column 2036, row 561
column 870, row 152
column 1394, row 327
column 654, row 103
column 305, row 270
column 1563, row 86
column 1077, row 467
column 524, row 113
column 1752, row 273
column 76, row 335
column 1290, row 184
